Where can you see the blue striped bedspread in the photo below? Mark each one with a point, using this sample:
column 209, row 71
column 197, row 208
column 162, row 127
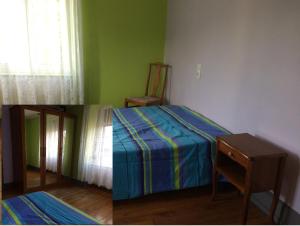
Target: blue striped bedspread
column 161, row 148
column 42, row 208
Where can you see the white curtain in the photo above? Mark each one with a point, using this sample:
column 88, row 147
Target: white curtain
column 52, row 128
column 40, row 52
column 95, row 162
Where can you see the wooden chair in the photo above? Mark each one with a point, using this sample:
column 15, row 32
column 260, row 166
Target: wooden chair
column 155, row 87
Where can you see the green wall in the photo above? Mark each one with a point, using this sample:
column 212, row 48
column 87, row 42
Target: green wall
column 120, row 39
column 32, row 141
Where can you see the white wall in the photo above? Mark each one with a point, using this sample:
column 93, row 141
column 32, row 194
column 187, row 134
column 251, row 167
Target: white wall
column 250, row 52
column 7, row 155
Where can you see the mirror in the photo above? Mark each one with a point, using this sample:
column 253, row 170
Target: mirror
column 52, row 134
column 68, row 132
column 32, row 148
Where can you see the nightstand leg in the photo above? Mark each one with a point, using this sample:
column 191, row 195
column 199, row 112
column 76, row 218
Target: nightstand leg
column 277, row 189
column 247, row 193
column 273, row 207
column 214, row 184
column 246, row 206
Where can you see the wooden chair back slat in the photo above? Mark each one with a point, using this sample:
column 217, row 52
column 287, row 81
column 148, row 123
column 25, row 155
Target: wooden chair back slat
column 148, row 80
column 164, row 85
column 157, row 82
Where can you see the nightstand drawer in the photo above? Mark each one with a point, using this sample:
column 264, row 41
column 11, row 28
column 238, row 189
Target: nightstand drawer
column 232, row 153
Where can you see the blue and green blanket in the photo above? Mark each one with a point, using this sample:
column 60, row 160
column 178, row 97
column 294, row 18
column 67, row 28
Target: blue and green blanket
column 42, row 208
column 161, row 148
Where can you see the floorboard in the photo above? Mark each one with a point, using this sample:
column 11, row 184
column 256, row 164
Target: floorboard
column 34, row 178
column 193, row 206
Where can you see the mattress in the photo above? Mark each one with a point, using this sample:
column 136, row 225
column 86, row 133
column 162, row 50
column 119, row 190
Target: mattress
column 161, row 148
column 42, row 208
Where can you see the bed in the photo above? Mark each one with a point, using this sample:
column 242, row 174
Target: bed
column 42, row 208
column 161, row 148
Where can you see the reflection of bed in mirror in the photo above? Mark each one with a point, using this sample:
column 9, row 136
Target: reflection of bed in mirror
column 43, row 144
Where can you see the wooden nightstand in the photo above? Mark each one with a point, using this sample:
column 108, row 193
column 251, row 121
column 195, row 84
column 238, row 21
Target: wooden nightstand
column 251, row 165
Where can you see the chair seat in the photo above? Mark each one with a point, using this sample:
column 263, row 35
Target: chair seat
column 146, row 100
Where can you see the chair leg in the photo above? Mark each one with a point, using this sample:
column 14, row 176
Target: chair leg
column 126, row 103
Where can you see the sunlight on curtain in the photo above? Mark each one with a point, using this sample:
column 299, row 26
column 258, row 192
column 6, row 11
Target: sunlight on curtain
column 52, row 130
column 95, row 162
column 40, row 58
column 64, row 141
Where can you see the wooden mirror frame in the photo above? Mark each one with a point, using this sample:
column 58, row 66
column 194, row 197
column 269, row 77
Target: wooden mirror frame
column 19, row 156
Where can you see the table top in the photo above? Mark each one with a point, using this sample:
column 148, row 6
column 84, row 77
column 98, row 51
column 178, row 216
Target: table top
column 252, row 147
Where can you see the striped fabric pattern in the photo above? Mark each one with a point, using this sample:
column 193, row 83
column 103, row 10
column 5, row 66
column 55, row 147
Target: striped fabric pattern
column 161, row 148
column 41, row 208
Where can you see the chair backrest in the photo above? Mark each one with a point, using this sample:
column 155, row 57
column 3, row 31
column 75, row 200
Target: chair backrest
column 157, row 80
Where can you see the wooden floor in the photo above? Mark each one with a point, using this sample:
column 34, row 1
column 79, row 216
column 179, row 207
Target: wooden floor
column 192, row 206
column 34, row 178
column 92, row 200
column 186, row 207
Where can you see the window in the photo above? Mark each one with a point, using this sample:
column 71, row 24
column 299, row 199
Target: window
column 101, row 142
column 95, row 162
column 39, row 45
